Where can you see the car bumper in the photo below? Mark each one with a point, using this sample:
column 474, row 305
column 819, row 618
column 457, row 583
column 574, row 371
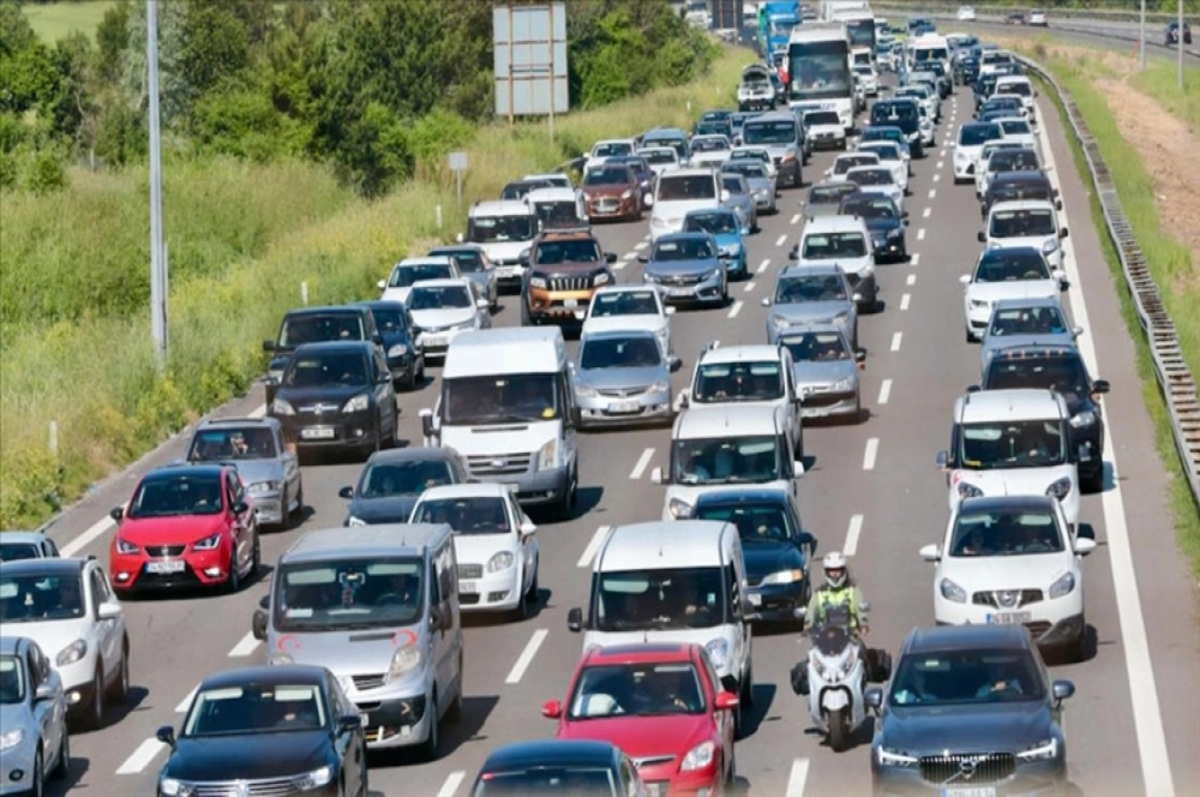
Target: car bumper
column 510, row 273
column 435, row 344
column 891, row 247
column 533, row 487
column 707, row 291
column 342, row 430
column 664, row 780
column 735, row 264
column 765, row 200
column 1033, row 779
column 491, row 592
column 775, row 602
column 826, row 403
column 16, row 767
column 599, row 209
column 1050, row 622
column 964, row 170
column 610, row 411
column 828, row 140
column 196, row 569
column 269, row 508
column 977, row 319
column 558, row 305
column 395, row 720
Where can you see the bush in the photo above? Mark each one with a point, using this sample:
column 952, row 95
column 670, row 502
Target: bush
column 47, row 172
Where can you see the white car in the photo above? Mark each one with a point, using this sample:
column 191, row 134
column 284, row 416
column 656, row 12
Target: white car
column 442, row 309
column 1027, row 222
column 843, row 241
column 891, row 156
column 878, row 180
column 965, row 14
column 972, row 138
column 608, row 148
column 1005, row 273
column 412, row 270
column 1018, row 130
column 1038, row 19
column 710, row 151
column 824, row 129
column 660, row 159
column 868, row 78
column 1013, row 560
column 850, row 160
column 925, row 126
column 495, row 544
column 620, row 307
column 761, row 154
column 1018, row 86
column 680, row 191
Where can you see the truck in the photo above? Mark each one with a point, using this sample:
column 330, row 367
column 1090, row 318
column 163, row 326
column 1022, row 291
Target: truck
column 819, row 73
column 776, row 20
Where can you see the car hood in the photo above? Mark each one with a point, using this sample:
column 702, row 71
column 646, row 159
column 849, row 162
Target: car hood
column 986, row 573
column 622, row 377
column 259, row 470
column 653, row 323
column 999, row 727
column 1024, row 289
column 811, row 312
column 1013, row 481
column 662, row 268
column 321, row 394
column 263, row 755
column 442, row 317
column 479, row 548
column 640, row 737
column 729, row 239
column 180, row 530
column 760, row 183
column 396, row 294
column 812, row 373
column 596, row 191
column 881, row 224
column 51, row 635
column 390, row 339
column 771, row 556
column 392, row 509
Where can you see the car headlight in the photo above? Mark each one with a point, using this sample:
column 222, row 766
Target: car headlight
column 841, row 319
column 314, row 780
column 548, row 455
column 679, row 508
column 779, row 322
column 968, row 490
column 406, row 660
column 354, row 520
column 500, row 561
column 658, row 221
column 711, row 275
column 718, row 651
column 699, row 757
column 784, row 577
column 961, row 156
column 1050, row 247
column 893, row 758
column 844, row 384
column 583, row 391
column 537, row 282
column 1085, row 418
column 1060, row 489
column 126, row 547
column 627, row 194
column 952, row 592
column 358, row 403
column 169, row 787
column 399, row 350
column 1042, row 751
column 259, row 488
column 603, row 278
column 1063, row 585
column 71, row 653
column 732, row 250
column 660, row 387
column 10, row 739
column 209, row 543
column 463, row 326
column 978, row 304
column 280, row 659
column 281, row 407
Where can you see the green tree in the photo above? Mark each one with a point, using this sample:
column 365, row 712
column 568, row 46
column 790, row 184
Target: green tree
column 112, row 38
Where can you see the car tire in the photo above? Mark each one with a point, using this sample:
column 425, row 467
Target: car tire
column 526, row 318
column 37, row 778
column 119, row 691
column 234, row 584
column 298, row 513
column 454, row 712
column 256, row 560
column 429, row 748
column 565, row 508
column 839, row 730
column 95, row 717
column 409, row 383
column 63, row 766
column 1094, row 483
column 746, row 687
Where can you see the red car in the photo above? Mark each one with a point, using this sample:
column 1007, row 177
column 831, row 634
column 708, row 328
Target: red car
column 663, row 705
column 186, row 526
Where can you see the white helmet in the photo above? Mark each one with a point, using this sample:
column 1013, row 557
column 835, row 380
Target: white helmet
column 835, row 569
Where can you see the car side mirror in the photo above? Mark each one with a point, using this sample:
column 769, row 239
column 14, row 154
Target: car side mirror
column 264, row 602
column 1100, row 386
column 117, row 513
column 669, row 310
column 552, row 709
column 1084, row 546
column 610, row 257
column 350, row 723
column 527, row 528
column 482, row 304
column 427, row 428
column 726, row 701
column 793, row 254
column 649, row 200
column 575, row 620
column 674, row 363
column 1059, row 275
column 942, row 459
column 656, row 476
column 1076, row 331
column 240, row 508
column 856, row 298
column 1058, row 205
column 436, row 619
column 643, row 259
column 798, row 468
column 982, row 237
column 931, row 553
column 1061, row 690
column 258, row 625
column 965, row 279
column 166, row 735
column 269, row 345
column 44, row 691
column 765, row 302
column 346, row 492
column 1063, row 233
column 873, row 698
column 381, row 285
column 523, row 258
column 725, row 194
column 108, row 611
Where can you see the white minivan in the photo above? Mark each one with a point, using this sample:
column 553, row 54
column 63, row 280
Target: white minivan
column 503, row 229
column 1026, row 222
column 680, row 191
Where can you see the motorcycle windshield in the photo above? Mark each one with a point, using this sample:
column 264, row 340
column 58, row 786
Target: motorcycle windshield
column 831, row 639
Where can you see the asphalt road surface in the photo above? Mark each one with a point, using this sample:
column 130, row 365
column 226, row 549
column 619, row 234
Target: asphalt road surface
column 871, row 490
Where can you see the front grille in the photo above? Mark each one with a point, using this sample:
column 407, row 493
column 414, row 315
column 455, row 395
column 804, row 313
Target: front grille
column 679, row 279
column 468, row 600
column 499, row 464
column 318, row 409
column 623, row 392
column 470, row 571
column 158, row 551
column 652, row 760
column 371, row 681
column 564, row 284
column 1026, row 597
column 267, row 787
column 968, row 769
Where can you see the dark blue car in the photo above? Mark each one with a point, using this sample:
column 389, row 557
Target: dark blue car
column 405, row 358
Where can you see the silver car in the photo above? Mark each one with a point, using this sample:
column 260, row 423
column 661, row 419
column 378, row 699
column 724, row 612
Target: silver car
column 269, row 469
column 826, row 368
column 740, row 200
column 762, row 184
column 806, row 295
column 473, row 263
column 16, row 545
column 622, row 377
column 825, row 198
column 1025, row 322
column 34, row 742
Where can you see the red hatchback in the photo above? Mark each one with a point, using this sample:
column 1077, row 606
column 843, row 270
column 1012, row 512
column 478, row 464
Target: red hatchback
column 663, row 705
column 186, row 526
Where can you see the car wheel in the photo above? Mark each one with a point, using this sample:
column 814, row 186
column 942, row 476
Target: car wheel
column 523, row 611
column 454, row 712
column 37, row 778
column 409, row 383
column 565, row 509
column 1094, row 483
column 532, row 594
column 63, row 766
column 969, row 337
column 234, row 584
column 298, row 513
column 747, row 686
column 256, row 561
column 95, row 718
column 429, row 748
column 120, row 689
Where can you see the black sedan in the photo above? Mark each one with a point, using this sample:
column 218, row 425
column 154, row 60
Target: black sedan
column 339, row 396
column 558, row 766
column 391, row 482
column 267, row 730
column 404, row 356
column 885, row 223
column 1172, row 34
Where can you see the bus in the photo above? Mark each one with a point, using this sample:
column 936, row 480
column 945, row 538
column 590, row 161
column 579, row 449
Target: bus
column 819, row 74
column 775, row 23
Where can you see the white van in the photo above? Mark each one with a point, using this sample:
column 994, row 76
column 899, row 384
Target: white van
column 558, row 208
column 1026, row 222
column 503, row 229
column 508, row 405
column 673, row 582
column 679, row 191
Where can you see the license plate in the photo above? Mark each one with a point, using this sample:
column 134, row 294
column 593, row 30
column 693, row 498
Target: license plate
column 434, row 340
column 755, row 599
column 317, row 433
column 680, row 292
column 654, row 790
column 623, row 406
column 570, row 303
column 1010, row 618
column 468, row 587
column 165, row 567
column 978, row 791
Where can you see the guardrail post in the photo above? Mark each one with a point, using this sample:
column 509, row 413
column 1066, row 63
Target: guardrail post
column 304, row 293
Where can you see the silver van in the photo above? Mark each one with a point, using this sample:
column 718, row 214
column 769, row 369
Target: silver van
column 378, row 607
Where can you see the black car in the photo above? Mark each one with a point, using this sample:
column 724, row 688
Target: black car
column 405, row 359
column 558, row 766
column 337, row 395
column 1019, row 185
column 1172, row 34
column 267, row 730
column 904, row 114
column 392, row 481
column 316, row 325
column 970, row 710
column 776, row 547
column 519, row 188
column 966, row 70
column 884, row 221
column 1060, row 369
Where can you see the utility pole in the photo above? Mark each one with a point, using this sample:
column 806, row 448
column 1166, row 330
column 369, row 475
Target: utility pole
column 1142, row 40
column 158, row 271
column 1179, row 53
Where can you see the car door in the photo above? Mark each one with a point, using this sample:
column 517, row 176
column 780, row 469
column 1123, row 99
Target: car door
column 291, row 466
column 528, row 542
column 790, row 393
column 110, row 632
column 348, row 744
column 241, row 525
column 385, row 395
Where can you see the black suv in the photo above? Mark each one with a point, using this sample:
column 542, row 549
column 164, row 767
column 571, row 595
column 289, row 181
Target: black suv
column 317, row 325
column 1059, row 368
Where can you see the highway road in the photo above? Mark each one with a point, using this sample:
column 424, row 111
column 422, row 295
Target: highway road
column 871, row 490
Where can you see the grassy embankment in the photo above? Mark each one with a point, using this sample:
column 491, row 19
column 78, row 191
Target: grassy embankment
column 54, row 21
column 242, row 238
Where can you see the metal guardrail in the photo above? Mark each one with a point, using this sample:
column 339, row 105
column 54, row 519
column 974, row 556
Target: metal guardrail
column 1174, row 378
column 1055, row 13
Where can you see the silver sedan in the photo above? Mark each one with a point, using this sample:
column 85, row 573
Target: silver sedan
column 622, row 377
column 826, row 371
column 761, row 183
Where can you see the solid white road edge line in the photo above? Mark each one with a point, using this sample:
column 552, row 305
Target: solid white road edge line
column 643, row 461
column 97, row 529
column 870, row 453
column 896, row 338
column 245, row 647
column 453, row 781
column 526, row 658
column 141, row 758
column 781, row 240
column 885, row 392
column 589, row 553
column 904, row 300
column 187, row 701
column 763, row 265
column 797, row 778
column 1147, row 716
column 851, row 546
column 737, row 308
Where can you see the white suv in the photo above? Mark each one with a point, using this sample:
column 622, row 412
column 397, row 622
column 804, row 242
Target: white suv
column 1028, row 222
column 682, row 190
column 1009, row 272
column 846, row 242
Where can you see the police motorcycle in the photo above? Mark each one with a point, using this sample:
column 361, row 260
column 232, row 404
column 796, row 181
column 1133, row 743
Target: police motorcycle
column 834, row 676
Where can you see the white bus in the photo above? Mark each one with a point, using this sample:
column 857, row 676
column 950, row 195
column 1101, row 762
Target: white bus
column 819, row 74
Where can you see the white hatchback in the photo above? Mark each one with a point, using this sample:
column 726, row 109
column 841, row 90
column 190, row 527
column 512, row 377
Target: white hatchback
column 630, row 307
column 1017, row 272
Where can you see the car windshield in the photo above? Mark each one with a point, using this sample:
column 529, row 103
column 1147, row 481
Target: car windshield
column 713, row 222
column 734, row 184
column 882, row 134
column 642, row 351
column 1014, row 160
column 727, row 460
column 686, row 188
column 1005, row 532
column 16, row 551
column 35, row 598
column 250, row 442
column 875, row 207
column 318, row 328
column 552, row 253
column 441, row 297
column 483, row 514
column 1013, row 444
column 793, row 290
column 710, row 144
column 388, row 479
column 1008, row 193
column 327, row 368
column 548, row 780
column 847, row 162
column 519, row 189
column 498, row 229
column 885, row 151
column 659, row 157
column 1021, row 89
column 834, row 245
column 506, row 398
column 718, row 383
column 643, row 600
column 624, row 303
column 467, row 260
column 1015, row 127
column 637, row 690
column 390, row 320
column 683, row 249
column 1000, row 266
column 558, row 215
column 405, row 276
column 607, row 175
column 966, row 676
column 1041, row 320
column 978, row 135
column 255, row 708
column 824, row 117
column 829, row 195
column 818, row 347
column 748, row 167
column 612, row 149
column 871, row 177
column 180, row 494
column 348, row 594
column 781, row 132
column 1065, row 374
column 1022, row 223
column 12, row 681
column 766, row 522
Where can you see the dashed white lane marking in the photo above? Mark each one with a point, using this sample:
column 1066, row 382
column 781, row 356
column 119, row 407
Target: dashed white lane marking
column 781, row 240
column 797, row 778
column 749, row 287
column 97, row 529
column 620, row 264
column 941, row 164
column 896, row 338
column 642, row 463
column 937, row 177
column 795, row 219
column 763, row 266
column 932, row 193
column 146, row 752
column 869, row 454
column 855, row 528
column 257, row 412
column 526, row 658
column 737, row 308
column 589, row 553
column 926, row 213
column 186, row 703
column 904, row 300
column 912, row 280
column 640, row 245
column 630, row 256
column 915, row 259
column 245, row 647
column 885, row 391
column 921, row 234
column 453, row 781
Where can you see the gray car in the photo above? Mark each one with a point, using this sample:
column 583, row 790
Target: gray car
column 622, row 377
column 473, row 264
column 806, row 295
column 825, row 367
column 1038, row 321
column 687, row 267
column 762, row 185
column 268, row 467
column 392, row 481
column 741, row 200
column 825, row 198
column 16, row 545
column 33, row 719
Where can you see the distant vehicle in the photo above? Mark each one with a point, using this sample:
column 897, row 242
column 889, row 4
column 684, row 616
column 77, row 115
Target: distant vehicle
column 1003, row 272
column 608, row 148
column 1037, row 18
column 441, row 309
column 686, row 267
column 1172, row 33
column 412, row 270
column 1024, row 322
column 392, row 481
column 405, row 358
column 825, row 368
column 1015, row 19
column 723, row 225
column 517, row 189
column 16, row 545
column 966, row 14
column 623, row 377
column 806, row 295
column 630, row 307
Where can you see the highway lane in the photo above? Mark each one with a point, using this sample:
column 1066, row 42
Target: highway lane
column 901, row 501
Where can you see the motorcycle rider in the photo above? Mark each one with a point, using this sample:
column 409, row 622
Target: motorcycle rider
column 838, row 592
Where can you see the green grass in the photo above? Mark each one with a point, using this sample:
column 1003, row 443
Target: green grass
column 242, row 238
column 54, row 21
column 1161, row 81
